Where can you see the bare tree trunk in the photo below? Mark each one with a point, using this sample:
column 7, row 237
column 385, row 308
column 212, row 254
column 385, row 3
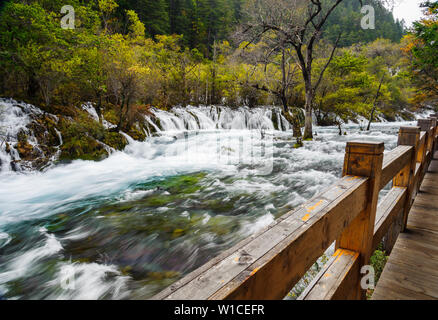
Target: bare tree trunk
column 308, row 125
column 119, row 125
column 374, row 104
column 99, row 107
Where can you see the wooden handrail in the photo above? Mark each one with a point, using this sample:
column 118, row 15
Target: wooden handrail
column 268, row 264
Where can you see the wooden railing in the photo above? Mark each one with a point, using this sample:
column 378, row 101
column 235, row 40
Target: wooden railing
column 267, row 265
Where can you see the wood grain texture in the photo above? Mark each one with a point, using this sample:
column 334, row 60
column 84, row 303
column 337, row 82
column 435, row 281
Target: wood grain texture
column 366, row 160
column 336, row 281
column 387, row 212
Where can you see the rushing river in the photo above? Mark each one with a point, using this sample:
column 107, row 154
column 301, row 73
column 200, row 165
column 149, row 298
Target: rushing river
column 128, row 226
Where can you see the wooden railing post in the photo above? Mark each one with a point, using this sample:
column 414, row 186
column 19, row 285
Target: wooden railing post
column 435, row 133
column 425, row 125
column 423, row 157
column 408, row 136
column 362, row 159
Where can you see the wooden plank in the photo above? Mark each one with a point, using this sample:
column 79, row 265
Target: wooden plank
column 283, row 266
column 388, row 289
column 423, row 218
column 405, row 178
column 336, row 280
column 394, row 162
column 421, row 152
column 387, row 211
column 413, row 279
column 412, row 259
column 291, row 245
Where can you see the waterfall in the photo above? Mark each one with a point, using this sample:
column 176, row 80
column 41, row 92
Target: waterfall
column 22, row 126
column 18, row 121
column 14, row 118
column 216, row 118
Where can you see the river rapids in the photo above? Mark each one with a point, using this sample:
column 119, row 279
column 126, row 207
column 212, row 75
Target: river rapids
column 130, row 225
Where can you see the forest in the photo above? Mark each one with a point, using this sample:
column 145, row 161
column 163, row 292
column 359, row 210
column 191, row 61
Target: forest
column 126, row 56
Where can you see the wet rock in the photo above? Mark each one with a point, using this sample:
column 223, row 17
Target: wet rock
column 14, row 166
column 26, row 151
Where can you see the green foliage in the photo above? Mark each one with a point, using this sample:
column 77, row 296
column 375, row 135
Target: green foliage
column 421, row 48
column 81, row 139
column 347, row 17
column 378, row 262
column 365, row 81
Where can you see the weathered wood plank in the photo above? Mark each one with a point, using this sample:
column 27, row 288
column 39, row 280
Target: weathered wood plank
column 336, row 280
column 394, row 162
column 388, row 289
column 387, row 211
column 408, row 136
column 412, row 279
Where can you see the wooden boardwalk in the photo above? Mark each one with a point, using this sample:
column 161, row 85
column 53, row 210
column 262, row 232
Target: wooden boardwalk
column 411, row 272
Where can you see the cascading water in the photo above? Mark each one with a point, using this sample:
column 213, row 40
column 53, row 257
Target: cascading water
column 15, row 122
column 218, row 117
column 132, row 224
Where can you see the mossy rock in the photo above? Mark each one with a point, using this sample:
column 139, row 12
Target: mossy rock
column 82, row 147
column 115, row 140
column 8, row 148
column 137, row 132
column 183, row 184
column 111, row 114
column 26, row 151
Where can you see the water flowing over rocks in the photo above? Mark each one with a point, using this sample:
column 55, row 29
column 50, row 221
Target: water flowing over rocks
column 31, row 139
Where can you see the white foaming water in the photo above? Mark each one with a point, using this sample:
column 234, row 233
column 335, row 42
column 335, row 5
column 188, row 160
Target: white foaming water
column 218, row 117
column 39, row 194
column 88, row 281
column 23, row 263
column 14, row 117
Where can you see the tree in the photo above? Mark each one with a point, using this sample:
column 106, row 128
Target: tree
column 385, row 63
column 125, row 67
column 298, row 24
column 176, row 65
column 154, row 14
column 422, row 50
column 275, row 61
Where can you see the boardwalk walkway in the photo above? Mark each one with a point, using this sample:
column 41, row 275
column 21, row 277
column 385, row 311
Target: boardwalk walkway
column 411, row 272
